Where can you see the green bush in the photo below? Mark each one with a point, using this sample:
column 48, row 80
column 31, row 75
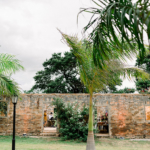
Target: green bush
column 73, row 120
column 3, row 108
column 125, row 90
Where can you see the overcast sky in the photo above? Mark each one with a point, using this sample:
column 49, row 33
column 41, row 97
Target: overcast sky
column 28, row 29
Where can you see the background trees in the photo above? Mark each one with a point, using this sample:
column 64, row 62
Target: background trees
column 60, row 75
column 143, row 85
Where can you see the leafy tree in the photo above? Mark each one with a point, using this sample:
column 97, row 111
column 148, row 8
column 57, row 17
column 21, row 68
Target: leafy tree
column 8, row 65
column 145, row 63
column 60, row 75
column 95, row 78
column 3, row 108
column 111, row 18
column 143, row 85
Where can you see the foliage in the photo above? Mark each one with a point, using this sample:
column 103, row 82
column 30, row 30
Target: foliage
column 143, row 85
column 8, row 65
column 125, row 90
column 73, row 123
column 26, row 92
column 94, row 78
column 112, row 86
column 3, row 107
column 128, row 19
column 60, row 75
column 145, row 63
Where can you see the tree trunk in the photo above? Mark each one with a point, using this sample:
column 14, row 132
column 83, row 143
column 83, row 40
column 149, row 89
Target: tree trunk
column 58, row 124
column 90, row 139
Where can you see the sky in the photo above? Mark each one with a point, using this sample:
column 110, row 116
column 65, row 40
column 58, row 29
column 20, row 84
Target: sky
column 28, row 30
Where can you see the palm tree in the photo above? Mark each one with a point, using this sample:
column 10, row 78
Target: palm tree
column 111, row 18
column 8, row 65
column 95, row 78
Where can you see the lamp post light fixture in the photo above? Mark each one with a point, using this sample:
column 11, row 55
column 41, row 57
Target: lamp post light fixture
column 14, row 101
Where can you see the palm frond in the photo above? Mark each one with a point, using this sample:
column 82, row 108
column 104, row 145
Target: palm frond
column 118, row 18
column 8, row 87
column 133, row 72
column 9, row 64
column 93, row 77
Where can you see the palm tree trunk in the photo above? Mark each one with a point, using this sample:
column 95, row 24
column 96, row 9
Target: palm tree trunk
column 90, row 139
column 58, row 123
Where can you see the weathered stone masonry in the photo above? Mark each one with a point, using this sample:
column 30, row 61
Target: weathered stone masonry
column 129, row 114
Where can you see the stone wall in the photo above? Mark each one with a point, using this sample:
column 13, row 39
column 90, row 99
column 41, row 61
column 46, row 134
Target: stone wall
column 129, row 114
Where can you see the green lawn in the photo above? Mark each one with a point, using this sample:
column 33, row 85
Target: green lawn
column 57, row 144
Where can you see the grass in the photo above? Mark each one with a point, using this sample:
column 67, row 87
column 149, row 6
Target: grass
column 57, row 144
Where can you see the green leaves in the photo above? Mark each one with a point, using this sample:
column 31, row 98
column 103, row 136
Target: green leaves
column 60, row 75
column 7, row 86
column 73, row 124
column 143, row 85
column 3, row 108
column 118, row 19
column 94, row 78
column 132, row 72
column 8, row 65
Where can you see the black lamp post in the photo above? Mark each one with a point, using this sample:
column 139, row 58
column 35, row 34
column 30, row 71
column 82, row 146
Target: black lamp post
column 14, row 101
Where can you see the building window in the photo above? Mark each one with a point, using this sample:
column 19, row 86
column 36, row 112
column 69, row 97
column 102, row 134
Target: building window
column 3, row 109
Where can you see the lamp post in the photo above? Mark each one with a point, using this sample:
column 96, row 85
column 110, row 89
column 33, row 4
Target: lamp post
column 14, row 101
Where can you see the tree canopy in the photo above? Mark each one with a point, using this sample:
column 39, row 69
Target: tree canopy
column 60, row 75
column 143, row 85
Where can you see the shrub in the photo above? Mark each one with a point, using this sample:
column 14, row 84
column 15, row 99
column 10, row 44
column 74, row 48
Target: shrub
column 73, row 120
column 125, row 90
